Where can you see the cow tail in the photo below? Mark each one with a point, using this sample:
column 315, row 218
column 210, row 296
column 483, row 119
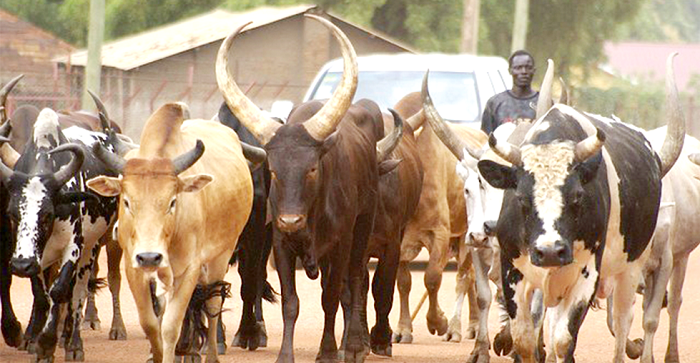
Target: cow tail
column 194, row 329
column 95, row 284
column 269, row 294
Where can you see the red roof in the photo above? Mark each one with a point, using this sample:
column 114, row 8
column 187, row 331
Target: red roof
column 644, row 61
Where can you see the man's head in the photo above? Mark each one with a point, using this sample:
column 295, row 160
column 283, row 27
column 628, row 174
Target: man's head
column 521, row 65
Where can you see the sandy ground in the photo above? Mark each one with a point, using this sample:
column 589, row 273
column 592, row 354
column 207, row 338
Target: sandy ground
column 595, row 343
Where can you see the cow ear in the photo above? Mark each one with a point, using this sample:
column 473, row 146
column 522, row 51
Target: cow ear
column 194, row 183
column 499, row 176
column 588, row 169
column 329, row 142
column 388, row 165
column 105, row 186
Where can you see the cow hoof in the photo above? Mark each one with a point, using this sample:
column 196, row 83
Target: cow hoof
column 91, row 325
column 191, row 358
column 117, row 333
column 75, row 355
column 634, row 348
column 44, row 360
column 355, row 357
column 221, row 348
column 479, row 357
column 471, row 333
column 451, row 336
column 403, row 338
column 438, row 327
column 12, row 333
column 31, row 348
column 382, row 350
column 502, row 343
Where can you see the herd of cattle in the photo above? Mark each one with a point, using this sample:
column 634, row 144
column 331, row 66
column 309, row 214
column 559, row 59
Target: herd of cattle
column 558, row 213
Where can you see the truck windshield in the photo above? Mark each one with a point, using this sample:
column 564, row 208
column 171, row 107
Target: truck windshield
column 454, row 93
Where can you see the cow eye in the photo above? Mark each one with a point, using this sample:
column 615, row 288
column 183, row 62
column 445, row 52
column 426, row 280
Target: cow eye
column 273, row 175
column 312, row 173
column 126, row 205
column 172, row 205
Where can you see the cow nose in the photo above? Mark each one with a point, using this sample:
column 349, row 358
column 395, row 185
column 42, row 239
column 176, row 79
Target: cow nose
column 24, row 267
column 291, row 222
column 490, row 228
column 149, row 259
column 558, row 254
column 478, row 239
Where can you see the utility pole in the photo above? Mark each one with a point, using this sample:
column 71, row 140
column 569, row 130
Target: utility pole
column 520, row 25
column 93, row 70
column 470, row 27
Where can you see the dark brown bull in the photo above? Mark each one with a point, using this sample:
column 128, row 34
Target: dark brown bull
column 399, row 192
column 323, row 195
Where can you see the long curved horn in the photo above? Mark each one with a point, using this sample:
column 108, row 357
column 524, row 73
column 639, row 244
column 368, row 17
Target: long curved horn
column 184, row 161
column 3, row 96
column 387, row 145
column 544, row 101
column 102, row 112
column 66, row 172
column 564, row 98
column 440, row 127
column 324, row 122
column 590, row 146
column 261, row 126
column 111, row 160
column 506, row 150
column 675, row 133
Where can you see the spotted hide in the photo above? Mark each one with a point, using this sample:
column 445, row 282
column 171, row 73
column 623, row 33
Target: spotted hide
column 579, row 209
column 56, row 224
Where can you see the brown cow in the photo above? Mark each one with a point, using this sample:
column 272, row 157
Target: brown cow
column 163, row 205
column 323, row 195
column 439, row 224
column 399, row 191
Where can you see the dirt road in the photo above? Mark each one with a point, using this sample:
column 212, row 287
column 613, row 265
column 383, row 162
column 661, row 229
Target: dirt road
column 595, row 344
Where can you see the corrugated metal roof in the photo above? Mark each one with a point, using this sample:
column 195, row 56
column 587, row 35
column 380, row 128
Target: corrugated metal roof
column 165, row 41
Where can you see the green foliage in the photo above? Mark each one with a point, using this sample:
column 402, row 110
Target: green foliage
column 641, row 106
column 664, row 20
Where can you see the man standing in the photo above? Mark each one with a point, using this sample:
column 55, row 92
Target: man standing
column 513, row 105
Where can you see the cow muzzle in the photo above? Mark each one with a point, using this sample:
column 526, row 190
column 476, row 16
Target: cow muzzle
column 477, row 239
column 149, row 260
column 555, row 255
column 290, row 223
column 24, row 267
column 490, row 228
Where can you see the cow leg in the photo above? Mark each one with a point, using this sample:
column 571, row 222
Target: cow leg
column 675, row 299
column 285, row 262
column 383, row 283
column 405, row 327
column 216, row 271
column 40, row 310
column 480, row 354
column 355, row 351
column 437, row 322
column 518, row 296
column 11, row 328
column 174, row 313
column 149, row 321
column 114, row 277
column 464, row 283
column 623, row 313
column 266, row 292
column 91, row 319
column 656, row 283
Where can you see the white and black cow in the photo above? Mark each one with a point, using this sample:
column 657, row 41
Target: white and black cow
column 580, row 205
column 57, row 223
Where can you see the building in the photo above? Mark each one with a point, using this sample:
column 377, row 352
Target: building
column 26, row 49
column 275, row 58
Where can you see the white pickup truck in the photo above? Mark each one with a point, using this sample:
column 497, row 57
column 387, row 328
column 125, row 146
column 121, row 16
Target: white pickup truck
column 460, row 85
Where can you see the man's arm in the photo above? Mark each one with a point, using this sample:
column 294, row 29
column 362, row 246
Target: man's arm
column 487, row 119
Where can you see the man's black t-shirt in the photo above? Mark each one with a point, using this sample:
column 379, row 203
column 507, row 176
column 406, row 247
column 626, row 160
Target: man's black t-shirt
column 505, row 107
